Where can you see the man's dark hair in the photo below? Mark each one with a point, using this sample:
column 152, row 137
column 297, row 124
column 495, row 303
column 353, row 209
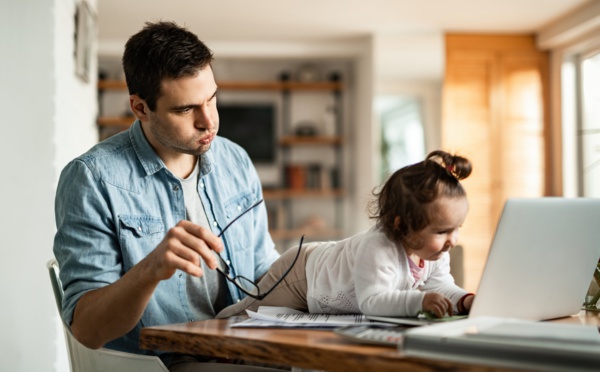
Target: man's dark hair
column 161, row 50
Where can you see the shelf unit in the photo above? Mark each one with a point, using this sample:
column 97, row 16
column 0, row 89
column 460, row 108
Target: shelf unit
column 283, row 196
column 329, row 187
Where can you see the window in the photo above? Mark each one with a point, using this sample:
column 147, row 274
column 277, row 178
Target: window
column 580, row 103
column 402, row 133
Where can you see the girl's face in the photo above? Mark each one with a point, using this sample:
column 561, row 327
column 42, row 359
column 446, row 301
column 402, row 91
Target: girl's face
column 447, row 215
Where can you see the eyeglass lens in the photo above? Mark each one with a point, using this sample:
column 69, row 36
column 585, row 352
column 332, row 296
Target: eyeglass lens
column 245, row 284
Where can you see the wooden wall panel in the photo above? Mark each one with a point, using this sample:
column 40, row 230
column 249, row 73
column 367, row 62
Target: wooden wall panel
column 493, row 113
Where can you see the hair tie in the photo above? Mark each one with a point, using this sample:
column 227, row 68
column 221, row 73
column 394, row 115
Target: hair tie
column 450, row 168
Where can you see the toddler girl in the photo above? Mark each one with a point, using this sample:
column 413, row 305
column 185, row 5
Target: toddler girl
column 399, row 267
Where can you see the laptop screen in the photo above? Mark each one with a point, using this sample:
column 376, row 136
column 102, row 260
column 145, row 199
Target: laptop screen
column 542, row 259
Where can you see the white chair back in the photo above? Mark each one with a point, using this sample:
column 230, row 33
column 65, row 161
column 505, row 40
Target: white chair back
column 83, row 359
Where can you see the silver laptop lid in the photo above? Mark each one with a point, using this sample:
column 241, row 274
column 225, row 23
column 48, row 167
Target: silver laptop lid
column 541, row 260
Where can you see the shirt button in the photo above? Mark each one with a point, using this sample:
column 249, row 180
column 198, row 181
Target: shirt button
column 215, row 223
column 139, row 228
column 238, row 300
column 239, row 207
column 176, row 188
column 228, row 262
column 202, row 184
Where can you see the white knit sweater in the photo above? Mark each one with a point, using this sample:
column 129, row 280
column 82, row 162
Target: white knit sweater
column 367, row 273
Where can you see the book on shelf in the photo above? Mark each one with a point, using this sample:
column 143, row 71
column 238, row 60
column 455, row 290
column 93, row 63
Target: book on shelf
column 311, row 177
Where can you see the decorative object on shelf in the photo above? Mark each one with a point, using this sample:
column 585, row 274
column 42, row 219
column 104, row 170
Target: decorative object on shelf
column 328, row 127
column 311, row 176
column 284, row 76
column 334, row 76
column 308, row 73
column 102, row 75
column 295, row 176
column 335, row 178
column 306, row 128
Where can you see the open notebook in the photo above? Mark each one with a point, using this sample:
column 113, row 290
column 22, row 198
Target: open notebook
column 541, row 261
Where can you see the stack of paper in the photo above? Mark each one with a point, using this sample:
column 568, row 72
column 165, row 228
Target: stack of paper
column 508, row 342
column 274, row 316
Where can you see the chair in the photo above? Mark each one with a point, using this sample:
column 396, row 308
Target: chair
column 83, row 359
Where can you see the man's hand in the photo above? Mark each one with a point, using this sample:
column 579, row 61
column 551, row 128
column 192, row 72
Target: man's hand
column 182, row 249
column 437, row 304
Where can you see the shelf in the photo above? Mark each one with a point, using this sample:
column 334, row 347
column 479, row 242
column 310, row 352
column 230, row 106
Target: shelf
column 274, row 194
column 310, row 140
column 115, row 121
column 329, row 86
column 248, row 85
column 112, row 85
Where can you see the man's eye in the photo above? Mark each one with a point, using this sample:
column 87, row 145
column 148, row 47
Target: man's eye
column 184, row 110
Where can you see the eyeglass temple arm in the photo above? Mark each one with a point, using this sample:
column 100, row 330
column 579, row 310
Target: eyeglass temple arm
column 238, row 217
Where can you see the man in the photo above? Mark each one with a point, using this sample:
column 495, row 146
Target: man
column 138, row 215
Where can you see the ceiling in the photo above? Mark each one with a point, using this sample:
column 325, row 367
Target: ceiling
column 409, row 32
column 318, row 20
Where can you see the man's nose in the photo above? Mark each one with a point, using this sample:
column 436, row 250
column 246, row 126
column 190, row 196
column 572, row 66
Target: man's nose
column 204, row 119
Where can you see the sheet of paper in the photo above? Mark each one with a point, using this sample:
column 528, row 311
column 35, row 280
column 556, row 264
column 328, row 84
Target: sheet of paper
column 258, row 323
column 283, row 316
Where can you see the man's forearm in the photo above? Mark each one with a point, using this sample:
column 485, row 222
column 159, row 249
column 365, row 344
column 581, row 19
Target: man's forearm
column 107, row 313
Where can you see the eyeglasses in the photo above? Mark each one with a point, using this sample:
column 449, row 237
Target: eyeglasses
column 246, row 285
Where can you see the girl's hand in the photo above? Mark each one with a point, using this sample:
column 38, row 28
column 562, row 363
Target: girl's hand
column 437, row 304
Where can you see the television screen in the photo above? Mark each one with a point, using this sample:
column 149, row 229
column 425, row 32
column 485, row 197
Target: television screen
column 251, row 126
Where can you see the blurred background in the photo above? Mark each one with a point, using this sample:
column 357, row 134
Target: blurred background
column 333, row 97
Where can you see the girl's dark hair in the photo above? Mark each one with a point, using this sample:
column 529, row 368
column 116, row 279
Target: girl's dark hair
column 161, row 50
column 407, row 193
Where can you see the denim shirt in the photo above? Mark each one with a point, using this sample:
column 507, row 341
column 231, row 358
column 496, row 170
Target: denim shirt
column 115, row 203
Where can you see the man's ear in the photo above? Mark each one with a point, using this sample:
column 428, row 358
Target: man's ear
column 138, row 107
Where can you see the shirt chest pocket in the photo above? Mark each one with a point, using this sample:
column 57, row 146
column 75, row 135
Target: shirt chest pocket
column 241, row 232
column 138, row 236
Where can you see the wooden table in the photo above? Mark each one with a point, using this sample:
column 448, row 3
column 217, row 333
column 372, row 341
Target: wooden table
column 316, row 349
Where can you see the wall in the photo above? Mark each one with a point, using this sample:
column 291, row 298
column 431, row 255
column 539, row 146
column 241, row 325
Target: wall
column 40, row 99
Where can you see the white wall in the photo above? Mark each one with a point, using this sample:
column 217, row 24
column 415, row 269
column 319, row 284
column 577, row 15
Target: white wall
column 40, row 98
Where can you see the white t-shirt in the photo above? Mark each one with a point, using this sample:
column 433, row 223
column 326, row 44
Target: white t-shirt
column 367, row 273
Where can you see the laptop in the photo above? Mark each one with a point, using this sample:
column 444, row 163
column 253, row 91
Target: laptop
column 540, row 263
